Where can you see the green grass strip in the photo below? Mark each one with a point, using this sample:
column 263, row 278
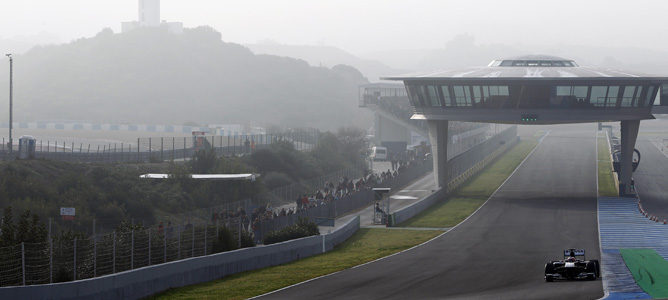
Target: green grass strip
column 364, row 246
column 475, row 192
column 649, row 270
column 606, row 181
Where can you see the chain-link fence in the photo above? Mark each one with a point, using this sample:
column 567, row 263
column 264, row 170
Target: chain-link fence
column 65, row 259
column 157, row 149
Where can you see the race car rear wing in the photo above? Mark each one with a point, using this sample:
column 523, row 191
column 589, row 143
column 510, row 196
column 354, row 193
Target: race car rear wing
column 574, row 252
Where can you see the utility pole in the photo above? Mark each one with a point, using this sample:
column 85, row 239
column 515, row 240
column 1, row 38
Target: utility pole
column 11, row 66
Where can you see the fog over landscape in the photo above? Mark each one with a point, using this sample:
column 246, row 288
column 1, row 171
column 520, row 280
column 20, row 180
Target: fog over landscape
column 224, row 66
column 333, row 149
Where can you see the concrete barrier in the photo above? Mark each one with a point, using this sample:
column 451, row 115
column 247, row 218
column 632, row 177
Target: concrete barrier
column 408, row 212
column 149, row 280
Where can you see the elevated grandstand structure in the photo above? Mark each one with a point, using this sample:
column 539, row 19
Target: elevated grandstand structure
column 535, row 89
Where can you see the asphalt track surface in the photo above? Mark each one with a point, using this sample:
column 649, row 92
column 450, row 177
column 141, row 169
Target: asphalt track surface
column 651, row 180
column 547, row 205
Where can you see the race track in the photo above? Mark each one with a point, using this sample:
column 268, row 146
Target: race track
column 651, row 180
column 547, row 205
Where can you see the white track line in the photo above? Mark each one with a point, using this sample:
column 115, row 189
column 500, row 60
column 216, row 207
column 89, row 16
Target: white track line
column 540, row 141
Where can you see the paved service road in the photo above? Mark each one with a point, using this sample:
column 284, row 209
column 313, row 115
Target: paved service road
column 651, row 179
column 549, row 204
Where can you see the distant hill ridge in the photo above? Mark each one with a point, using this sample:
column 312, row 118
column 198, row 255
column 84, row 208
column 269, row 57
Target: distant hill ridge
column 152, row 76
column 326, row 56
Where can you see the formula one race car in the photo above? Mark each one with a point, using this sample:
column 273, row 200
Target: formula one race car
column 572, row 267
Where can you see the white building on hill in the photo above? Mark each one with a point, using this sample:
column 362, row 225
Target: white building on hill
column 149, row 16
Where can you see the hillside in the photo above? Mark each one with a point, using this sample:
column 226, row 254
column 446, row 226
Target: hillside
column 151, row 76
column 326, row 56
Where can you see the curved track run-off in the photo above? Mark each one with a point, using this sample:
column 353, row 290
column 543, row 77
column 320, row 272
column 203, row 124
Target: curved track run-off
column 547, row 205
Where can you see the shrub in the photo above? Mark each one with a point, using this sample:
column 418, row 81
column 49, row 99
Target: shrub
column 225, row 241
column 303, row 228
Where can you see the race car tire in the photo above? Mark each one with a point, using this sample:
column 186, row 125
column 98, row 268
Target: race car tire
column 591, row 268
column 549, row 269
column 598, row 267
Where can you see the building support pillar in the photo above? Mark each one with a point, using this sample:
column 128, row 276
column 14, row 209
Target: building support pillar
column 438, row 137
column 629, row 132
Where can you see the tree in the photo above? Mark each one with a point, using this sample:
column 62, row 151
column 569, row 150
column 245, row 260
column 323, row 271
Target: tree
column 204, row 161
column 7, row 237
column 23, row 228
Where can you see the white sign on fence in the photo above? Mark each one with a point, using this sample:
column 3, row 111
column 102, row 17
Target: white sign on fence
column 67, row 211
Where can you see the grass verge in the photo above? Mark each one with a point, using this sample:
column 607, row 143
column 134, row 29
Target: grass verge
column 474, row 193
column 606, row 182
column 364, row 246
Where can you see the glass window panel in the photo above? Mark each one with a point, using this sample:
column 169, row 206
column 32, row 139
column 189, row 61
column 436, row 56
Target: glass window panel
column 627, row 98
column 413, row 95
column 503, row 90
column 459, row 94
column 462, row 95
column 648, row 98
column 494, row 90
column 580, row 92
column 467, row 92
column 598, row 95
column 657, row 100
column 446, row 94
column 611, row 99
column 477, row 95
column 485, row 92
column 433, row 96
column 564, row 90
column 636, row 98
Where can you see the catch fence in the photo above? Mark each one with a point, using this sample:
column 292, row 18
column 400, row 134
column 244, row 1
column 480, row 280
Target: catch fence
column 158, row 149
column 65, row 259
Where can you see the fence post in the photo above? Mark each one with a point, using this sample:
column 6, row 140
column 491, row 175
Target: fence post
column 184, row 149
column 94, row 256
column 192, row 246
column 137, row 149
column 205, row 226
column 23, row 262
column 75, row 259
column 149, row 246
column 179, row 252
column 113, row 255
column 50, row 260
column 94, row 249
column 173, row 148
column 162, row 148
column 164, row 246
column 132, row 248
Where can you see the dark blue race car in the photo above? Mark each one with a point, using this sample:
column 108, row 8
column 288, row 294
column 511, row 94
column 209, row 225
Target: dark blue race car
column 572, row 267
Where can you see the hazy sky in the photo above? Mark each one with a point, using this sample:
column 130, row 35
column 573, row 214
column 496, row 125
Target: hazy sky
column 362, row 26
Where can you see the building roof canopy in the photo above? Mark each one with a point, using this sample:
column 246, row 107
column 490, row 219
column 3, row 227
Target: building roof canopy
column 531, row 67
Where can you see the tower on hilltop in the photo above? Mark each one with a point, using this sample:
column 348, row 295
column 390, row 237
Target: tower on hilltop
column 149, row 16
